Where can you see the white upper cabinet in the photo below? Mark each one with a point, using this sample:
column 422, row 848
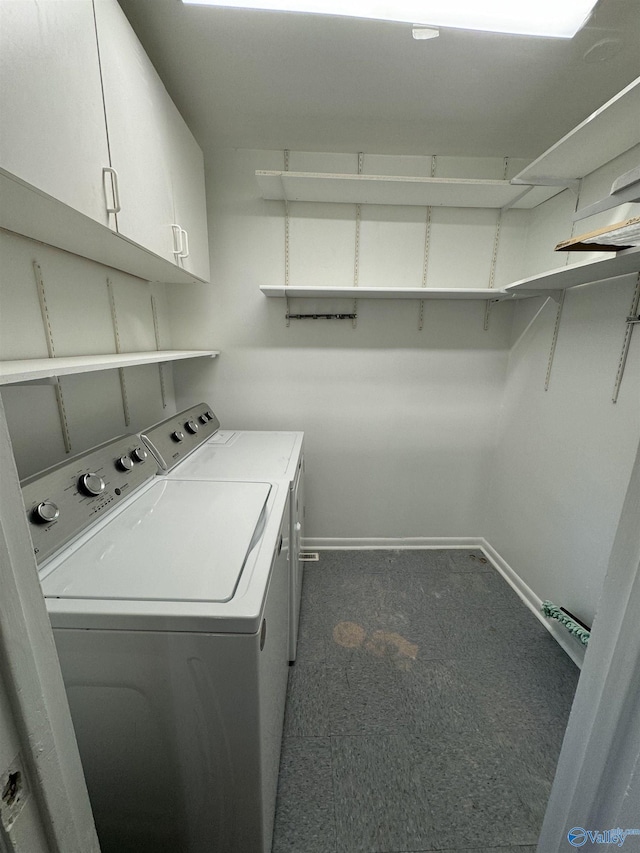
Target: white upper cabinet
column 189, row 202
column 91, row 143
column 135, row 104
column 52, row 131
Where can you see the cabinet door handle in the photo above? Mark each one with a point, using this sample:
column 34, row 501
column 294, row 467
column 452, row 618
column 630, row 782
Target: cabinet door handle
column 115, row 189
column 177, row 240
column 185, row 252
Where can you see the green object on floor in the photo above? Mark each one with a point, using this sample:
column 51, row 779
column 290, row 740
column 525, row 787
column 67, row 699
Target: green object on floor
column 552, row 612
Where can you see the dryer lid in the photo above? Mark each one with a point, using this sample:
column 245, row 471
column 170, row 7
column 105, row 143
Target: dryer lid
column 178, row 541
column 254, row 455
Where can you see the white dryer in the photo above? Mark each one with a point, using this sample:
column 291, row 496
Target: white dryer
column 238, row 455
column 169, row 604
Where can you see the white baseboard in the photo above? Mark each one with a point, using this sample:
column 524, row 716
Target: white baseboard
column 370, row 543
column 571, row 646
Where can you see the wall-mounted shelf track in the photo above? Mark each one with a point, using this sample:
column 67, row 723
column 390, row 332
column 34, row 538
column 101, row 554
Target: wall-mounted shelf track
column 591, row 144
column 398, row 190
column 38, row 369
column 385, row 292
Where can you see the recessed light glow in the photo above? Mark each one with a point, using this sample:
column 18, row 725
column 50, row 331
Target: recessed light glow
column 552, row 18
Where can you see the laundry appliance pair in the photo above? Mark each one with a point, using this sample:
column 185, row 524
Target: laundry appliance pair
column 169, row 580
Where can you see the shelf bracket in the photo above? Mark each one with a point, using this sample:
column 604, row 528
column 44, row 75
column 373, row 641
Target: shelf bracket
column 116, row 335
column 559, row 298
column 554, row 340
column 632, row 320
column 527, row 293
column 487, row 313
column 44, row 380
column 48, row 331
column 156, row 331
column 572, row 184
column 556, row 295
column 427, row 246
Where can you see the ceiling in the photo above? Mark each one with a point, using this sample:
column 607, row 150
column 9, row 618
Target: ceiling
column 250, row 79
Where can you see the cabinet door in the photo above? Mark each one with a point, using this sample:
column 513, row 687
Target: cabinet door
column 52, row 133
column 134, row 100
column 187, row 179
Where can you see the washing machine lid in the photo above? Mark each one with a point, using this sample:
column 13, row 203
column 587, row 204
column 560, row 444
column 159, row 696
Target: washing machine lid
column 254, row 455
column 178, row 541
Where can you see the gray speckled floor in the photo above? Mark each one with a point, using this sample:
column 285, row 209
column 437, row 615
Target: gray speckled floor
column 425, row 711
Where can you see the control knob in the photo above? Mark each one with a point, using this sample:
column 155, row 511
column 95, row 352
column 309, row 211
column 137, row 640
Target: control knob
column 124, row 463
column 209, row 414
column 177, row 435
column 192, row 427
column 203, row 419
column 91, row 484
column 45, row 512
column 139, row 454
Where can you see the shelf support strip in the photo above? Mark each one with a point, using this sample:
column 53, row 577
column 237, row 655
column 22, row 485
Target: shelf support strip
column 494, row 255
column 116, row 335
column 48, row 331
column 156, row 331
column 632, row 320
column 356, row 263
column 427, row 246
column 286, row 243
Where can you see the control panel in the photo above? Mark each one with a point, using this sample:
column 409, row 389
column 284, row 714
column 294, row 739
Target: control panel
column 176, row 437
column 61, row 501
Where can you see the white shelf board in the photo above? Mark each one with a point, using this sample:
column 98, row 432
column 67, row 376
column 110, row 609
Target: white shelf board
column 388, row 189
column 383, row 292
column 606, row 133
column 33, row 369
column 28, row 211
column 573, row 275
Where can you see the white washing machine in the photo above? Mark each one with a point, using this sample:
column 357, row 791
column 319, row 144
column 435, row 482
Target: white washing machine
column 169, row 604
column 238, row 455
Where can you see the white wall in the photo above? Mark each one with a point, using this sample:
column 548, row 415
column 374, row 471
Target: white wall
column 80, row 318
column 399, row 423
column 564, row 456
